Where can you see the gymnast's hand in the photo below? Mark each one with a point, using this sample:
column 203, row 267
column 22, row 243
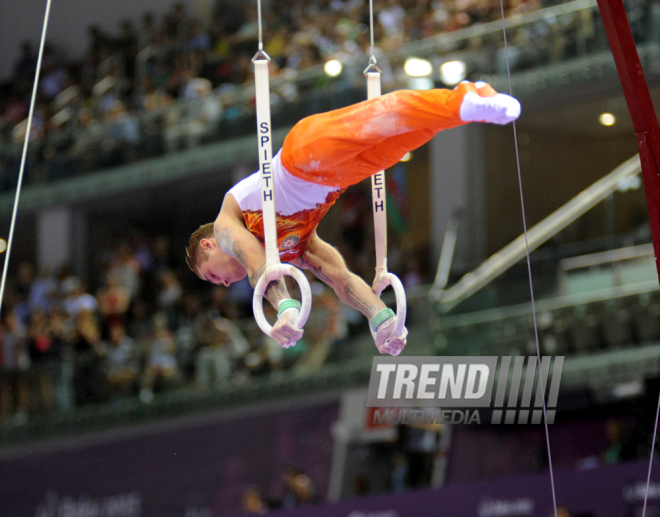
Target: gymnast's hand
column 286, row 331
column 385, row 342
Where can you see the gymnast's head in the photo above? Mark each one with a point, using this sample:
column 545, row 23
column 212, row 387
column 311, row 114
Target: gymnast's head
column 205, row 258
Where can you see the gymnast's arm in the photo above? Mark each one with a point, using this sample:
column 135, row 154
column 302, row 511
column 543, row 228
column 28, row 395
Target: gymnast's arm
column 328, row 265
column 236, row 241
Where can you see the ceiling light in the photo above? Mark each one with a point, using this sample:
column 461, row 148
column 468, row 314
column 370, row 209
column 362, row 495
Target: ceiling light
column 333, row 67
column 416, row 67
column 607, row 119
column 453, row 72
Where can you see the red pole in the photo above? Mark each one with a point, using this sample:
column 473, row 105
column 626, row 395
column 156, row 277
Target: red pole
column 640, row 106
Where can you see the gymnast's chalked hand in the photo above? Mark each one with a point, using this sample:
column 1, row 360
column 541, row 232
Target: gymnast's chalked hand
column 385, row 342
column 286, row 331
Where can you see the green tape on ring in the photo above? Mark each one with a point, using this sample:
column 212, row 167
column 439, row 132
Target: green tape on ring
column 288, row 304
column 381, row 318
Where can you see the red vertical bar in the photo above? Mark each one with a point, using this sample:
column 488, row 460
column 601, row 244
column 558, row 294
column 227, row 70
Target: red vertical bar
column 640, row 106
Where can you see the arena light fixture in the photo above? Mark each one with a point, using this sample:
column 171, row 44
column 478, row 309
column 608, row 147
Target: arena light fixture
column 417, row 67
column 607, row 119
column 333, row 67
column 3, row 245
column 406, row 157
column 453, row 72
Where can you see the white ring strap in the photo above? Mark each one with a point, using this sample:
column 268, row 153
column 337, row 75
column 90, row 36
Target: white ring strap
column 274, row 268
column 383, row 277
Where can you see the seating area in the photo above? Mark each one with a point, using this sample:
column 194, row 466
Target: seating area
column 593, row 316
column 79, row 131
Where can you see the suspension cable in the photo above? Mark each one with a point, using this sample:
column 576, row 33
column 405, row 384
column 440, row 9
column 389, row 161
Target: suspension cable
column 21, row 171
column 529, row 265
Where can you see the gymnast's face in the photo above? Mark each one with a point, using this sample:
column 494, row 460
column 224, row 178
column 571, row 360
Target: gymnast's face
column 219, row 268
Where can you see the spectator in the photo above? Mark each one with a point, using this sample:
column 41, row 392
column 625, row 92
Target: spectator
column 88, row 378
column 114, row 301
column 77, row 299
column 123, row 366
column 42, row 348
column 161, row 371
column 299, row 488
column 220, row 342
column 14, row 362
column 125, row 267
column 253, row 503
column 169, row 297
column 26, row 64
column 42, row 292
column 617, row 449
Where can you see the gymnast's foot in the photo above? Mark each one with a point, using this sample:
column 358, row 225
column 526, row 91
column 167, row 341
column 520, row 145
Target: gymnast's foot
column 489, row 106
column 385, row 342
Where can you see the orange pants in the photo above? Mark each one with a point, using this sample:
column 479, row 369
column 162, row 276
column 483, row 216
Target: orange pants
column 342, row 147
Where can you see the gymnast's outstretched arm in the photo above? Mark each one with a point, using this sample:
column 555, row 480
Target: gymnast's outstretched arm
column 327, row 264
column 235, row 240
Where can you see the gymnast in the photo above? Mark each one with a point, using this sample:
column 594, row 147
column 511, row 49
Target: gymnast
column 321, row 157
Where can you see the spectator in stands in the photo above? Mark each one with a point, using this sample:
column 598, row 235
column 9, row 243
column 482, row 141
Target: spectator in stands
column 77, row 299
column 253, row 503
column 62, row 368
column 168, row 297
column 26, row 64
column 114, row 300
column 419, row 444
column 90, row 383
column 161, row 371
column 220, row 342
column 618, row 447
column 21, row 290
column 126, row 268
column 147, row 30
column 190, row 319
column 42, row 292
column 122, row 362
column 127, row 46
column 14, row 362
column 299, row 488
column 42, row 347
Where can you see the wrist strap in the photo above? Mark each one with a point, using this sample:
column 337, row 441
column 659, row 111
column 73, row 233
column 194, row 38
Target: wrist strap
column 381, row 318
column 288, row 304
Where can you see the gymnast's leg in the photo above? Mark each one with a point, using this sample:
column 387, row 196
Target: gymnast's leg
column 344, row 146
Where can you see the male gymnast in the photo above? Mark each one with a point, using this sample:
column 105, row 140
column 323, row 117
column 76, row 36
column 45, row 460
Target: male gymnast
column 321, row 157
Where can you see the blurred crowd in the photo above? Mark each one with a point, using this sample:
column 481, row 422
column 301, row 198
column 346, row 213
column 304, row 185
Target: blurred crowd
column 148, row 325
column 140, row 333
column 157, row 85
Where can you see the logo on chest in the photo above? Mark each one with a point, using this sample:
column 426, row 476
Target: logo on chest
column 290, row 242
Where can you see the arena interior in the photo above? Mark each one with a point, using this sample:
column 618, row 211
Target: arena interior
column 131, row 388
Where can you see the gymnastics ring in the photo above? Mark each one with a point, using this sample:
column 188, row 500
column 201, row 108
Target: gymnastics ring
column 275, row 272
column 381, row 282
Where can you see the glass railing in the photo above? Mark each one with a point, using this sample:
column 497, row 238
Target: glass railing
column 540, row 233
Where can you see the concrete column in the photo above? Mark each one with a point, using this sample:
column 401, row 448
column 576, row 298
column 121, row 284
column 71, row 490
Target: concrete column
column 54, row 239
column 61, row 240
column 457, row 168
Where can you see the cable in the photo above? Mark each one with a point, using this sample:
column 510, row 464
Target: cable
column 21, row 171
column 648, row 478
column 529, row 265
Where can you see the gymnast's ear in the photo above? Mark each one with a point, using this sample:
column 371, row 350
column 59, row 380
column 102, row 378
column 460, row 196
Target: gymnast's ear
column 207, row 244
